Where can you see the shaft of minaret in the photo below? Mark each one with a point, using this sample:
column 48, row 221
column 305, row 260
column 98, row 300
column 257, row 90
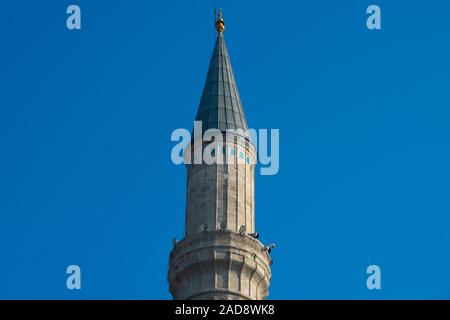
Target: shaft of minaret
column 220, row 256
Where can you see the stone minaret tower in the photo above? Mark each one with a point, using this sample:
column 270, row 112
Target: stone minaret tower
column 221, row 257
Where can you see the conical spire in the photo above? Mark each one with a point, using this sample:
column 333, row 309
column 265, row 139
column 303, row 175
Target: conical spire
column 220, row 104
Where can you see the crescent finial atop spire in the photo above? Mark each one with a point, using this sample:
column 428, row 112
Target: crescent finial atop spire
column 220, row 24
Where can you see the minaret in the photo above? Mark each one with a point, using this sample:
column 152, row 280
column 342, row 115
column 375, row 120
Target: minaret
column 221, row 257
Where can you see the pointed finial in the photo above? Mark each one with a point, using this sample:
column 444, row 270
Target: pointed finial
column 220, row 24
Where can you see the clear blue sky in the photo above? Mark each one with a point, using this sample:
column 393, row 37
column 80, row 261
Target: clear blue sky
column 86, row 118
